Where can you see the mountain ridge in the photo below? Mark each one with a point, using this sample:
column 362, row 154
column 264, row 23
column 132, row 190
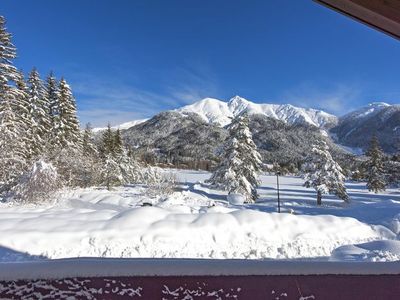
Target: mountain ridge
column 220, row 112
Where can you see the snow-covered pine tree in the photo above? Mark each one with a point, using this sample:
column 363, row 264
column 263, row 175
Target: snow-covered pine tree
column 39, row 110
column 13, row 150
column 69, row 132
column 88, row 146
column 106, row 145
column 118, row 147
column 375, row 167
column 25, row 116
column 52, row 97
column 324, row 174
column 237, row 172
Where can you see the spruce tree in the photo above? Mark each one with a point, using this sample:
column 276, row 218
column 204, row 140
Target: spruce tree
column 25, row 116
column 88, row 146
column 324, row 174
column 118, row 148
column 52, row 97
column 39, row 110
column 375, row 167
column 107, row 142
column 237, row 172
column 13, row 148
column 69, row 132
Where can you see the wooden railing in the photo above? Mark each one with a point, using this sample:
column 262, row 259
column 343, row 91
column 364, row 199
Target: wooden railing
column 198, row 279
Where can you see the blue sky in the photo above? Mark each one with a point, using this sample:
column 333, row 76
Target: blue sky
column 129, row 59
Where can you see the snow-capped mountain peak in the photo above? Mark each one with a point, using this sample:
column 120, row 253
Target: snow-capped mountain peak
column 219, row 112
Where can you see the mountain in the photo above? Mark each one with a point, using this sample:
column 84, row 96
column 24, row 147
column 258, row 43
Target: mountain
column 220, row 113
column 357, row 128
column 283, row 133
column 187, row 140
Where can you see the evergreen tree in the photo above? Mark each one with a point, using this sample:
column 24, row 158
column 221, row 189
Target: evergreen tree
column 52, row 97
column 69, row 132
column 375, row 167
column 25, row 116
column 118, row 148
column 39, row 110
column 324, row 174
column 107, row 142
column 88, row 146
column 237, row 172
column 13, row 153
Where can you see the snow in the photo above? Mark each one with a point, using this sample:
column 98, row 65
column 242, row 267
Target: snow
column 198, row 222
column 219, row 112
column 371, row 251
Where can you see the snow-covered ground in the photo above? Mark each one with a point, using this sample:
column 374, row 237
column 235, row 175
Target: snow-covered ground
column 197, row 222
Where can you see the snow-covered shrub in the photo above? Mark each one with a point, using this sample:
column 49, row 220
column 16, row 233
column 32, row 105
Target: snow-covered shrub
column 159, row 183
column 37, row 185
column 110, row 173
column 75, row 169
column 119, row 170
column 131, row 170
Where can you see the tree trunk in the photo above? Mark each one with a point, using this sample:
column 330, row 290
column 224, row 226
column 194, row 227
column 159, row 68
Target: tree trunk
column 319, row 198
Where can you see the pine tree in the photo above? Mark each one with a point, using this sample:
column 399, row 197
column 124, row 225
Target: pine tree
column 118, row 148
column 375, row 168
column 237, row 172
column 13, row 153
column 69, row 132
column 324, row 174
column 40, row 111
column 107, row 142
column 88, row 146
column 25, row 116
column 52, row 97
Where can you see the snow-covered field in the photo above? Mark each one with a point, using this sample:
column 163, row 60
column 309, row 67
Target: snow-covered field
column 197, row 222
